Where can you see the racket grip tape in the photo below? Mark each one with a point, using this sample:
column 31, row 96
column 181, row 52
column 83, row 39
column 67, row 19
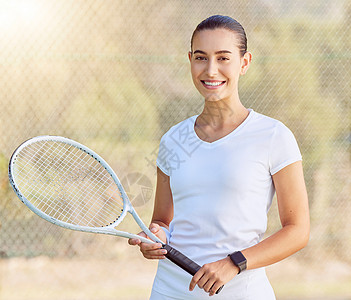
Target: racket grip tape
column 182, row 261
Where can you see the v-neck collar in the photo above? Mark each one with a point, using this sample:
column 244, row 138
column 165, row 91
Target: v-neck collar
column 227, row 136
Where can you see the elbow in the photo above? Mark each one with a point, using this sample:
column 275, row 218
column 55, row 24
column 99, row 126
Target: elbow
column 303, row 237
column 299, row 236
column 306, row 233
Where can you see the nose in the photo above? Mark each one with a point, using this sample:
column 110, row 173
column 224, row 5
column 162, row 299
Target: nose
column 212, row 68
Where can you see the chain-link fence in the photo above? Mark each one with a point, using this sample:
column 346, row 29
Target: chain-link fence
column 114, row 76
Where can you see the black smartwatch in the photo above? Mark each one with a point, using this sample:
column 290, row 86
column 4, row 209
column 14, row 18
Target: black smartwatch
column 239, row 260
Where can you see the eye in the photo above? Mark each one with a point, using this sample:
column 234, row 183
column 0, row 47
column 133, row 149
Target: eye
column 223, row 58
column 200, row 58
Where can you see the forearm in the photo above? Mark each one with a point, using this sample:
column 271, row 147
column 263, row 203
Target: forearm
column 285, row 242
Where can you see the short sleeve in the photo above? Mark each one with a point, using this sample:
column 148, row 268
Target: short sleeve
column 161, row 160
column 284, row 149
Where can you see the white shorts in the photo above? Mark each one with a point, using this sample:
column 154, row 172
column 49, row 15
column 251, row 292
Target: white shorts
column 254, row 285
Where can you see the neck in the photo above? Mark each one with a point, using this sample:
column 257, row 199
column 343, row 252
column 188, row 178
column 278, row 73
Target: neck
column 222, row 113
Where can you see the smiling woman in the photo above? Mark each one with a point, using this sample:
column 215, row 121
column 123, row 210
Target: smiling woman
column 213, row 193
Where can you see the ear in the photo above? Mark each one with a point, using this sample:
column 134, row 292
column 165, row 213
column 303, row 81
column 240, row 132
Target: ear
column 245, row 63
column 190, row 54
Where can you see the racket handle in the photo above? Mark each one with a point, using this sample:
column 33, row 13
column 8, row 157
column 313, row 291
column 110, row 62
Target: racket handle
column 182, row 261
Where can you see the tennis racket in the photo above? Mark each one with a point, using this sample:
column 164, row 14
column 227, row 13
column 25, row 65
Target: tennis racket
column 71, row 186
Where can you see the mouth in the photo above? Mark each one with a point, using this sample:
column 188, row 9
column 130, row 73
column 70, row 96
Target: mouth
column 212, row 84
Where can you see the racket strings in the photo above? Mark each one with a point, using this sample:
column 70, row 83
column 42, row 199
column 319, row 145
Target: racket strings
column 64, row 180
column 68, row 184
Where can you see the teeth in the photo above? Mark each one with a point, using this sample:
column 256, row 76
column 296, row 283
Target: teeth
column 213, row 83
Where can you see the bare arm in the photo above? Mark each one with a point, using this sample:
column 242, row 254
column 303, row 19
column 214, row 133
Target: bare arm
column 294, row 216
column 293, row 236
column 163, row 207
column 162, row 216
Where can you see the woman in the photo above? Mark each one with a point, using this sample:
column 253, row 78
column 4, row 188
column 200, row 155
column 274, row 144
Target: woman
column 216, row 177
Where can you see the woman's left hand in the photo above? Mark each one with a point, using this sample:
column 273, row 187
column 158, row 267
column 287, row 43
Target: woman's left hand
column 213, row 275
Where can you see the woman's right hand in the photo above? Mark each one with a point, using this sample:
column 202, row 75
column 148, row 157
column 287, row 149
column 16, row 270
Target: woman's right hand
column 154, row 250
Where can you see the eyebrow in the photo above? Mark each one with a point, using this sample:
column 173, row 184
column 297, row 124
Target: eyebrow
column 217, row 52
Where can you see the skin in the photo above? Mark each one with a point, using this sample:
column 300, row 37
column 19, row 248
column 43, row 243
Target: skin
column 215, row 60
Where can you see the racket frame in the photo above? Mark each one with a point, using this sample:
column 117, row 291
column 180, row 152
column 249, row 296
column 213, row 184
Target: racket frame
column 108, row 229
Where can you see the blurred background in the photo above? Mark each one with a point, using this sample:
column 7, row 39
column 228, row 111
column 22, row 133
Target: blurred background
column 114, row 76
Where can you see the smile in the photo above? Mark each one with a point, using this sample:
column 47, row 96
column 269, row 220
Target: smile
column 212, row 84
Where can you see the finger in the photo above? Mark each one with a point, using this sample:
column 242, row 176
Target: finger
column 214, row 288
column 154, row 256
column 194, row 281
column 208, row 285
column 134, row 242
column 153, row 252
column 205, row 282
column 154, row 228
column 150, row 247
column 143, row 234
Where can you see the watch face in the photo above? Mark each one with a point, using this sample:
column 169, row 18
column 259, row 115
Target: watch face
column 239, row 260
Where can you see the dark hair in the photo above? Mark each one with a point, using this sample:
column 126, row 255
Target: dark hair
column 218, row 21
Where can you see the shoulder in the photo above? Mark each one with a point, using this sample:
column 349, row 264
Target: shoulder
column 263, row 123
column 280, row 141
column 182, row 128
column 266, row 120
column 174, row 145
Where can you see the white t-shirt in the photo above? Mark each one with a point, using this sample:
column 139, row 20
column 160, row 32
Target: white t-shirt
column 221, row 192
